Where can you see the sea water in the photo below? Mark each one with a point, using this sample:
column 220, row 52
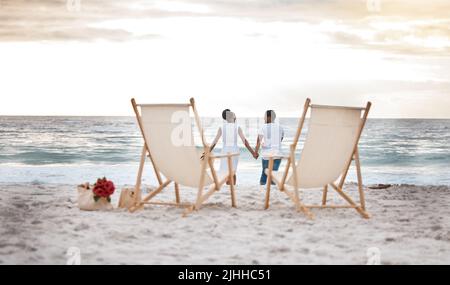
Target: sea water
column 78, row 149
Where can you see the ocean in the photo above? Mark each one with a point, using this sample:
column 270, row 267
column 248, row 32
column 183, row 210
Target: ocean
column 72, row 150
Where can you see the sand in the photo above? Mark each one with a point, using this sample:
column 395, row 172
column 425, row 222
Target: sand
column 409, row 225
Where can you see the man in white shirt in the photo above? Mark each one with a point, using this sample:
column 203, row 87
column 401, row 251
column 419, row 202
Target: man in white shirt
column 270, row 137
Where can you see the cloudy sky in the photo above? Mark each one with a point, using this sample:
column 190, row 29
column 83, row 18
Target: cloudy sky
column 89, row 57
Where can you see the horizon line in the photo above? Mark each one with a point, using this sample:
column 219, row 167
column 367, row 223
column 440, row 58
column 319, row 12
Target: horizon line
column 284, row 117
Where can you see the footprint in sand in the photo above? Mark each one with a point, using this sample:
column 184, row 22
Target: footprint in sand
column 21, row 206
column 443, row 236
column 304, row 250
column 436, row 228
column 81, row 227
column 280, row 250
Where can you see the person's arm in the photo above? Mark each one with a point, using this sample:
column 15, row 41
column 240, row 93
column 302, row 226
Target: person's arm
column 258, row 145
column 214, row 143
column 245, row 141
column 216, row 139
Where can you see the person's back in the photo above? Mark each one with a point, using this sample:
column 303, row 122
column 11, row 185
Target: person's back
column 229, row 136
column 270, row 137
column 230, row 132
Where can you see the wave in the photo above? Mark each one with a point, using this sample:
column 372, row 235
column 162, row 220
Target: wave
column 72, row 141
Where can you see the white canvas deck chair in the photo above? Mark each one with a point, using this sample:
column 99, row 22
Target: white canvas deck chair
column 330, row 147
column 169, row 144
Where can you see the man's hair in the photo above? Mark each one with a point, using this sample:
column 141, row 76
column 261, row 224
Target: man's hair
column 271, row 116
column 225, row 113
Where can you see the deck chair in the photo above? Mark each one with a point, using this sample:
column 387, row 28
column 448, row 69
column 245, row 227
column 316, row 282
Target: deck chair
column 330, row 147
column 169, row 144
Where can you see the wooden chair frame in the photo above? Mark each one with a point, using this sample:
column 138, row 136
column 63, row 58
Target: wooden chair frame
column 291, row 163
column 208, row 160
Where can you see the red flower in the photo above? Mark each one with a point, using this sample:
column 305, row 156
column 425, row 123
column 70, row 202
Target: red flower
column 103, row 188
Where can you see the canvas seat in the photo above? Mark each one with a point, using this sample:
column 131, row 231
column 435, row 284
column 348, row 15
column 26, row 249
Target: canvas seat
column 169, row 144
column 330, row 146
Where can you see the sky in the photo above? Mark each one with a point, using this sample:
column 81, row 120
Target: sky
column 90, row 57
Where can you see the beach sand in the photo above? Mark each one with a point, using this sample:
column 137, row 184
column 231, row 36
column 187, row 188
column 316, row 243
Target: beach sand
column 409, row 225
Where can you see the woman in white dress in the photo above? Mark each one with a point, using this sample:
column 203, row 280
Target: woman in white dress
column 229, row 133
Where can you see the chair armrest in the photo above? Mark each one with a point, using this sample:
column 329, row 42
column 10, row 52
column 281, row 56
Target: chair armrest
column 225, row 155
column 278, row 157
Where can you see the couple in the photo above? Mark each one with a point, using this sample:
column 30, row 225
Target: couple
column 269, row 137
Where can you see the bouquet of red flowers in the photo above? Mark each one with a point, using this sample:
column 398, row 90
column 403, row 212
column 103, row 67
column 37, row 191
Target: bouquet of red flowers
column 103, row 189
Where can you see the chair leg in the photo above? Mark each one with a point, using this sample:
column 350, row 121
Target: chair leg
column 363, row 213
column 149, row 196
column 203, row 198
column 233, row 196
column 305, row 211
column 296, row 196
column 362, row 198
column 197, row 206
column 188, row 210
column 299, row 205
column 324, row 195
column 201, row 185
column 268, row 184
column 137, row 188
column 177, row 193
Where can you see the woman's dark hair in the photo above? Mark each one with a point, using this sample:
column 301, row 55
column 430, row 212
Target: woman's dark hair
column 271, row 116
column 225, row 113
